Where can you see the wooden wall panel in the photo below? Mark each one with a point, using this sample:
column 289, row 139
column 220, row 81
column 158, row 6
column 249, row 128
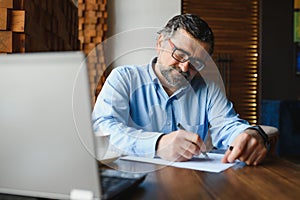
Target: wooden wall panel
column 6, row 3
column 92, row 28
column 5, row 41
column 236, row 28
column 3, row 18
column 38, row 25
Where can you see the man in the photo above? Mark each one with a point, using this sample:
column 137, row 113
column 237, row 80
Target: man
column 141, row 106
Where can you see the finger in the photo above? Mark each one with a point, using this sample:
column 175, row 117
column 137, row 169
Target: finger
column 260, row 157
column 239, row 147
column 194, row 149
column 177, row 158
column 227, row 153
column 249, row 152
column 181, row 159
column 195, row 138
column 258, row 160
column 251, row 158
column 254, row 149
column 188, row 149
column 236, row 152
column 187, row 155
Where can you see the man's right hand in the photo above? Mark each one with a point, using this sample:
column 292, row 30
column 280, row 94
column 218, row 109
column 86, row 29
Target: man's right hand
column 179, row 145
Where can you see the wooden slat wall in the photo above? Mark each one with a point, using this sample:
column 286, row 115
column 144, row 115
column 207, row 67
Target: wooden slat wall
column 236, row 28
column 92, row 27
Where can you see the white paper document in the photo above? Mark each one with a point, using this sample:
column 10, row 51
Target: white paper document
column 211, row 164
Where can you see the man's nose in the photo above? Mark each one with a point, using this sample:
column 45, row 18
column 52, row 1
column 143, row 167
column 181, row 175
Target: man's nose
column 184, row 66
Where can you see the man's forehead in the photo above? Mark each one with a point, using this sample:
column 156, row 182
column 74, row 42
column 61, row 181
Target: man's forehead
column 185, row 41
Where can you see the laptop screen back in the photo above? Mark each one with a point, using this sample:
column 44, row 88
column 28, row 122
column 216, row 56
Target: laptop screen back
column 46, row 145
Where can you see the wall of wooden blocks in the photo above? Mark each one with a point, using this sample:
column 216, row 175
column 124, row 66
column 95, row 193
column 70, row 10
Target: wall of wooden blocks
column 92, row 27
column 55, row 25
column 38, row 25
column 12, row 26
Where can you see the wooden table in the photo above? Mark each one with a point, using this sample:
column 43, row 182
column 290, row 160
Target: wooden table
column 275, row 179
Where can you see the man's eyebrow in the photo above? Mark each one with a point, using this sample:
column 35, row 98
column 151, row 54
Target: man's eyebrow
column 203, row 58
column 188, row 53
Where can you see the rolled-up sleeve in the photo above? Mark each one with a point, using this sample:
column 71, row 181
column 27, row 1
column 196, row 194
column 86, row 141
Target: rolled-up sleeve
column 225, row 123
column 112, row 114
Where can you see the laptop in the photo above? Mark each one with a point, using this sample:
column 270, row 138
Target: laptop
column 47, row 146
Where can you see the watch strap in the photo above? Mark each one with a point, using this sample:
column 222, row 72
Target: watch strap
column 262, row 133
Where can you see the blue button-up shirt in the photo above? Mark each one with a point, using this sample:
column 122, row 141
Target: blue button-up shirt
column 135, row 109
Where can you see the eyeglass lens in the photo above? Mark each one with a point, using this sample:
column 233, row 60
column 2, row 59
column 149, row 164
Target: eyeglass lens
column 182, row 57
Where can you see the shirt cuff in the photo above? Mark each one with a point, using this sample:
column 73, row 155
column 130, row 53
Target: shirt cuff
column 146, row 146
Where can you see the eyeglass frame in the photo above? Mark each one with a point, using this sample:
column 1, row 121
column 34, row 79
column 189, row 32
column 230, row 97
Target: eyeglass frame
column 189, row 58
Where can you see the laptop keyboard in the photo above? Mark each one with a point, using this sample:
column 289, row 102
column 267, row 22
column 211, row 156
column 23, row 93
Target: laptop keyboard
column 115, row 182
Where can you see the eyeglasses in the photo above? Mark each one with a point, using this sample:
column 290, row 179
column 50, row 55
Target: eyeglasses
column 182, row 56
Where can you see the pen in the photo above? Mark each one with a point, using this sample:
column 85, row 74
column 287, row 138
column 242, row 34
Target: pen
column 182, row 128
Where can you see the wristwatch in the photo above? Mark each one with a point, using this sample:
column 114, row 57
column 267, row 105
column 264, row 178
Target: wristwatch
column 262, row 134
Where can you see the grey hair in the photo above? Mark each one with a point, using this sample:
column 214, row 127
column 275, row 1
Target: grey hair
column 194, row 25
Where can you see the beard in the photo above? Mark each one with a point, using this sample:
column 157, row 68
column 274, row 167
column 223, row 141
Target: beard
column 174, row 77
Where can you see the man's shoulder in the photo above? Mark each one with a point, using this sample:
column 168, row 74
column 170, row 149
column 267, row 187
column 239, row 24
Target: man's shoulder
column 132, row 70
column 132, row 67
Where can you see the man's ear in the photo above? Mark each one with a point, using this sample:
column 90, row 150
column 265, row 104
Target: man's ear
column 159, row 43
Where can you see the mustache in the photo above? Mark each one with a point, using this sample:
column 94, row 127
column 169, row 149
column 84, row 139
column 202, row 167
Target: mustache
column 184, row 74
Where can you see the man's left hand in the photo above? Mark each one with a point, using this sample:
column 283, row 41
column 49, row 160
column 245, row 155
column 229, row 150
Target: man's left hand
column 248, row 147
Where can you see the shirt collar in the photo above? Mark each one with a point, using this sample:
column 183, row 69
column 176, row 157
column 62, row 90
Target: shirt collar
column 152, row 74
column 155, row 79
